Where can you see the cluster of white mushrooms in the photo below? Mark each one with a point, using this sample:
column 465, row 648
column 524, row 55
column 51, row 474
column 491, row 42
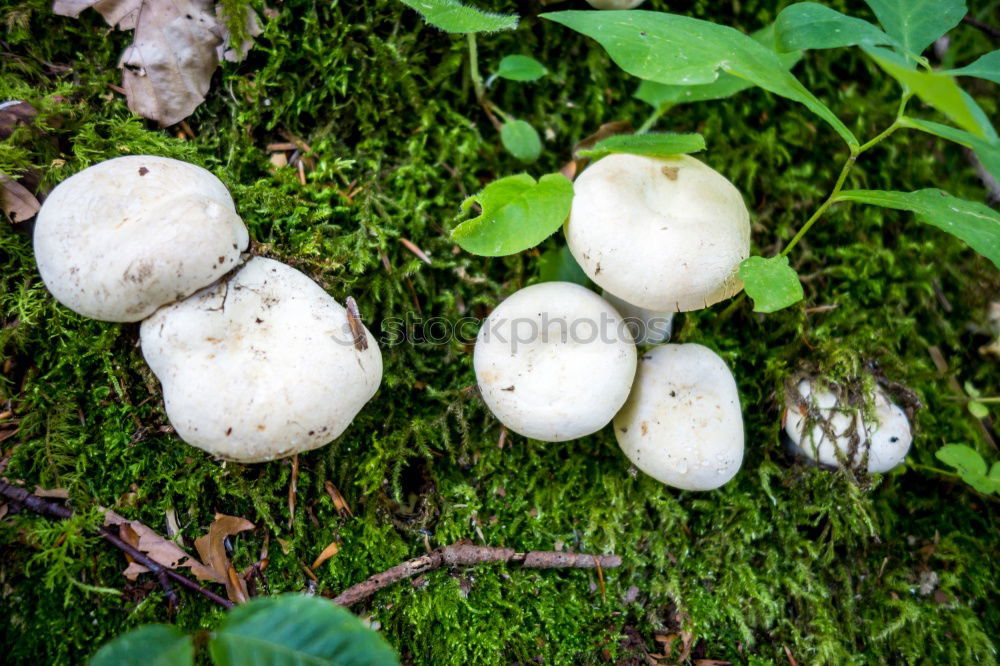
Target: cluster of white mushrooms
column 555, row 361
column 256, row 360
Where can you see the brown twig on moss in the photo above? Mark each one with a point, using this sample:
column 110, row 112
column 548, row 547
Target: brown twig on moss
column 163, row 574
column 460, row 554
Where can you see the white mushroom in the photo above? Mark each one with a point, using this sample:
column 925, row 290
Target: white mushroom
column 554, row 361
column 615, row 4
column 663, row 233
column 262, row 366
column 840, row 434
column 124, row 237
column 682, row 424
column 648, row 327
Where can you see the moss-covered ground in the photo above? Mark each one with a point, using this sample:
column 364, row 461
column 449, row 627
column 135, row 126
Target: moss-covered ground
column 824, row 565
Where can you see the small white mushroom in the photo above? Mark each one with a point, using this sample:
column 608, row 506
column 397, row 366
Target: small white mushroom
column 840, row 434
column 124, row 237
column 262, row 366
column 615, row 4
column 649, row 327
column 554, row 362
column 663, row 233
column 682, row 424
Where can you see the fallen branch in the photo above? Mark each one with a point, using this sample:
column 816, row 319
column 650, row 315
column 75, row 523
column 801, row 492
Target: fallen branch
column 466, row 554
column 163, row 574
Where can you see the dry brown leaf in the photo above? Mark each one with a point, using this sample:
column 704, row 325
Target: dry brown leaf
column 236, row 587
column 167, row 69
column 3, row 510
column 19, row 204
column 163, row 552
column 327, row 553
column 212, row 547
column 52, row 493
column 15, row 113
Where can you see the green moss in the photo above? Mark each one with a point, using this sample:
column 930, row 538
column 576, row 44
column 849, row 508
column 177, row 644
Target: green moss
column 788, row 555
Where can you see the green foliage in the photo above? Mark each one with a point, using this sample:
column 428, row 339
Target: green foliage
column 987, row 151
column 559, row 265
column 971, row 467
column 521, row 140
column 520, row 68
column 453, row 16
column 986, row 67
column 290, row 630
column 975, row 223
column 915, row 24
column 771, row 283
column 673, row 49
column 655, row 145
column 809, row 25
column 517, row 213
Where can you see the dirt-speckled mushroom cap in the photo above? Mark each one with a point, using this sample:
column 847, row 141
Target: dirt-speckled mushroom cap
column 682, row 424
column 615, row 4
column 546, row 368
column 260, row 367
column 663, row 233
column 124, row 237
column 840, row 434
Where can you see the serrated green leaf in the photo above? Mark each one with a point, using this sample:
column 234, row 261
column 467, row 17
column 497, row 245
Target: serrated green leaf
column 296, row 630
column 520, row 68
column 935, row 88
column 654, row 145
column 673, row 49
column 453, row 16
column 149, row 645
column 521, row 140
column 771, row 283
column 975, row 223
column 658, row 94
column 808, row 25
column 915, row 24
column 965, row 459
column 559, row 265
column 978, row 409
column 988, row 152
column 986, row 67
column 517, row 213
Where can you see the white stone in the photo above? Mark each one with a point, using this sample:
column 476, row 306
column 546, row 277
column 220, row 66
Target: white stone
column 554, row 362
column 682, row 424
column 260, row 367
column 124, row 237
column 661, row 233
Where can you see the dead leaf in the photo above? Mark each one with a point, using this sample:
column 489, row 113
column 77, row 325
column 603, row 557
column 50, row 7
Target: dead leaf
column 14, row 114
column 19, row 204
column 236, row 587
column 3, row 510
column 339, row 502
column 167, row 69
column 212, row 550
column 163, row 552
column 52, row 493
column 327, row 553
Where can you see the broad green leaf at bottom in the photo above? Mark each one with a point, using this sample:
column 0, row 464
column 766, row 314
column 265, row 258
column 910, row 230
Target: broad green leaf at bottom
column 771, row 283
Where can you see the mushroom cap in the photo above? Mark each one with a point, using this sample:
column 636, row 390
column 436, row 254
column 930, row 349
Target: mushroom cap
column 554, row 362
column 649, row 327
column 615, row 4
column 886, row 441
column 124, row 237
column 682, row 424
column 260, row 367
column 662, row 233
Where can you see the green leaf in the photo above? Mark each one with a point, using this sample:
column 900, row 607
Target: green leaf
column 915, row 24
column 521, row 68
column 517, row 213
column 453, row 16
column 808, row 25
column 978, row 409
column 975, row 223
column 986, row 67
column 149, row 645
column 654, row 145
column 559, row 265
column 658, row 94
column 521, row 140
column 995, row 471
column 988, row 152
column 771, row 283
column 937, row 89
column 965, row 459
column 673, row 49
column 296, row 630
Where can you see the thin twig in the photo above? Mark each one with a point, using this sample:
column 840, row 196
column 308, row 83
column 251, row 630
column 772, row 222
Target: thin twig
column 988, row 29
column 163, row 574
column 460, row 554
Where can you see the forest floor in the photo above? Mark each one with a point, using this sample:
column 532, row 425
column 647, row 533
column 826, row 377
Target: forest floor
column 785, row 562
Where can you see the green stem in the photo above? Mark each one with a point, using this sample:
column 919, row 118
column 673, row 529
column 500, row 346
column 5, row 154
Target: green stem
column 928, row 468
column 653, row 117
column 477, row 79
